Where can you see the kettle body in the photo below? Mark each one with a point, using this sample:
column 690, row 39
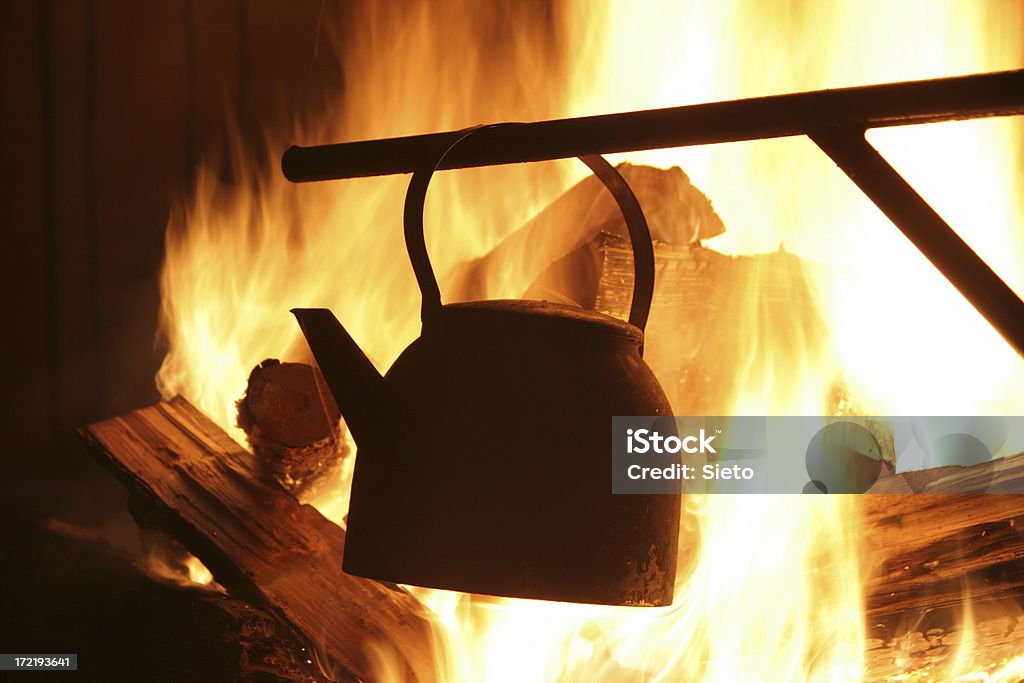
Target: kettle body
column 495, row 472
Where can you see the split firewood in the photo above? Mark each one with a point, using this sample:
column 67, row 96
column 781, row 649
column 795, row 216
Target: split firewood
column 950, row 541
column 259, row 542
column 713, row 313
column 292, row 423
column 546, row 251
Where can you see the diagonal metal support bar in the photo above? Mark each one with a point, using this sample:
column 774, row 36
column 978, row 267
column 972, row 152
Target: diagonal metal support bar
column 916, row 219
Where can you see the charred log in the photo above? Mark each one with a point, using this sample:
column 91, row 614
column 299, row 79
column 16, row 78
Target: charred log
column 924, row 646
column 950, row 541
column 261, row 544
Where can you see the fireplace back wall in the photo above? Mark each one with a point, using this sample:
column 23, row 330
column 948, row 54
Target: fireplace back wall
column 108, row 106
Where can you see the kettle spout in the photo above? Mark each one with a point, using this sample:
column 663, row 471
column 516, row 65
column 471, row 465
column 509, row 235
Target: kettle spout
column 354, row 382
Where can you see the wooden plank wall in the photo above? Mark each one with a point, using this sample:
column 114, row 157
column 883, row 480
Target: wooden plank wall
column 107, row 107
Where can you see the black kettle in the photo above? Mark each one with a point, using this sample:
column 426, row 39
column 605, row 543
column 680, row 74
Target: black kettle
column 484, row 454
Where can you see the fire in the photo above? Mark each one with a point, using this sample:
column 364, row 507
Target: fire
column 774, row 592
column 721, row 627
column 165, row 559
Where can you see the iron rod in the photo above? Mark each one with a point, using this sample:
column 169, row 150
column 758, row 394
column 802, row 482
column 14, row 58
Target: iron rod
column 894, row 104
column 916, row 219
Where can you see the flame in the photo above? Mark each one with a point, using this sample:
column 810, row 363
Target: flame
column 165, row 559
column 721, row 627
column 197, row 571
column 774, row 593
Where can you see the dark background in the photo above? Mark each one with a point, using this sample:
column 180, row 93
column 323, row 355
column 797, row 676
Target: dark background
column 108, row 106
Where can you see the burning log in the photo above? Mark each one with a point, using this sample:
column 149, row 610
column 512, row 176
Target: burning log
column 935, row 643
column 557, row 252
column 259, row 542
column 702, row 298
column 933, row 548
column 934, row 554
column 292, row 423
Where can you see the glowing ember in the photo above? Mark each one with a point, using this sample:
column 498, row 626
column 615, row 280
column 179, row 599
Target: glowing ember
column 167, row 560
column 774, row 593
column 197, row 571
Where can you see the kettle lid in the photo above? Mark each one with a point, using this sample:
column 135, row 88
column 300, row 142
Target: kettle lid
column 518, row 314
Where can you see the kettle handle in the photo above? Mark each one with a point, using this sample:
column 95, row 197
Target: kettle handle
column 639, row 234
